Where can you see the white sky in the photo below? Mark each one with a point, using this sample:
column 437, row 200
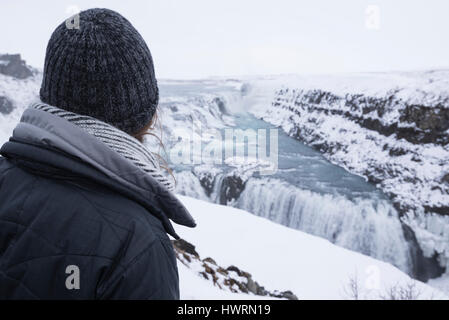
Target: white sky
column 200, row 38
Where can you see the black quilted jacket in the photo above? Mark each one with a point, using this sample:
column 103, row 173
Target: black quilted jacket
column 77, row 222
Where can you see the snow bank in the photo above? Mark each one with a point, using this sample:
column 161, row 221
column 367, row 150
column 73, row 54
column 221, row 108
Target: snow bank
column 281, row 258
column 194, row 287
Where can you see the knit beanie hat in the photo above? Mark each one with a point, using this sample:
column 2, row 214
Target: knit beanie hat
column 101, row 69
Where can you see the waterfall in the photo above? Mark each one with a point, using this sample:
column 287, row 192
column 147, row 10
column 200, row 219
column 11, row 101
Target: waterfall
column 188, row 184
column 216, row 191
column 368, row 226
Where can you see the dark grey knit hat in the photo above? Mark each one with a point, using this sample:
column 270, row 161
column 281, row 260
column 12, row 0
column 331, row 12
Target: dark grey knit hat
column 103, row 69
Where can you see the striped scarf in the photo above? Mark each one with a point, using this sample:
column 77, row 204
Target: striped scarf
column 117, row 140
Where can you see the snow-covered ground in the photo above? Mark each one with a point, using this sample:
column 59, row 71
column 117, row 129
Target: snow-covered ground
column 281, row 258
column 194, row 287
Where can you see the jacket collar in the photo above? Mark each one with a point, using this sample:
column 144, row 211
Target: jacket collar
column 38, row 128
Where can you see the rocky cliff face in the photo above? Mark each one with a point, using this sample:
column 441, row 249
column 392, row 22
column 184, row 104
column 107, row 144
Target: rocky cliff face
column 230, row 278
column 13, row 65
column 398, row 142
column 418, row 124
column 19, row 86
column 6, row 105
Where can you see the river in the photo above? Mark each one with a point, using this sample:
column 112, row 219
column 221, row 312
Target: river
column 307, row 192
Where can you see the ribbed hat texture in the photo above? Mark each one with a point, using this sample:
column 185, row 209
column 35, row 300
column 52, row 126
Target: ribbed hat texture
column 103, row 69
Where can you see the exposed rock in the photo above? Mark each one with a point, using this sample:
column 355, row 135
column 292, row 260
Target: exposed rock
column 228, row 186
column 285, row 295
column 231, row 278
column 235, row 269
column 245, row 89
column 222, row 271
column 253, row 286
column 424, row 124
column 445, row 178
column 13, row 65
column 396, row 152
column 187, row 257
column 210, row 260
column 207, row 268
column 439, row 210
column 221, row 105
column 207, row 180
column 6, row 106
column 427, row 118
column 184, row 246
column 231, row 188
column 424, row 268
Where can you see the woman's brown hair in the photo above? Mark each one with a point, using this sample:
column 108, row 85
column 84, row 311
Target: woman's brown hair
column 149, row 129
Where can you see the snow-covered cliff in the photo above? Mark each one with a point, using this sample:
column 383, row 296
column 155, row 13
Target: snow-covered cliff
column 391, row 128
column 19, row 85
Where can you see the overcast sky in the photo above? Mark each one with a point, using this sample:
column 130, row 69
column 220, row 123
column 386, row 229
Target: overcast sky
column 200, row 38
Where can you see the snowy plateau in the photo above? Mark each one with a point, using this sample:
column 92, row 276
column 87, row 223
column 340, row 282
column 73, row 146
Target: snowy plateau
column 359, row 201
